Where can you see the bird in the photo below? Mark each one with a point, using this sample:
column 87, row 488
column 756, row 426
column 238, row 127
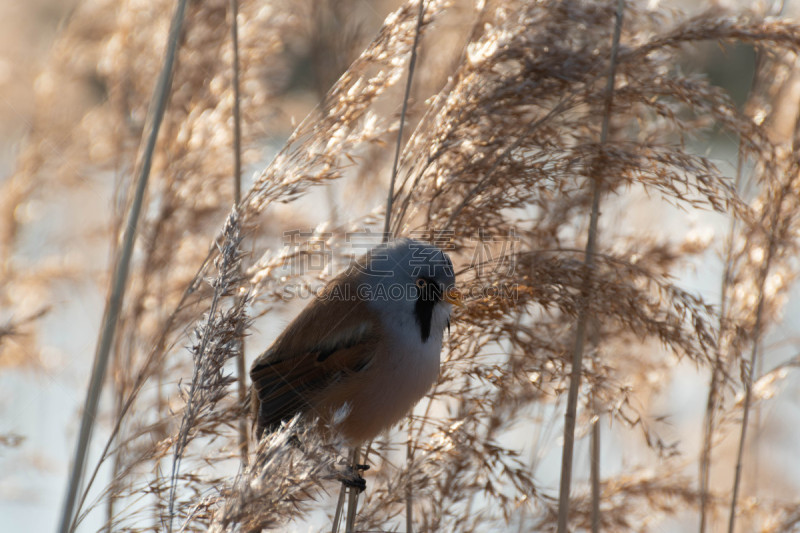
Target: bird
column 365, row 350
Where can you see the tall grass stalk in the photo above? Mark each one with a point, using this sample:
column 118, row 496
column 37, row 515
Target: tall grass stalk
column 120, row 278
column 352, row 501
column 748, row 369
column 594, row 465
column 406, row 96
column 241, row 372
column 583, row 314
column 709, row 420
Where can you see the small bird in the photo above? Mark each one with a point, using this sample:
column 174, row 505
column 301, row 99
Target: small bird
column 366, row 349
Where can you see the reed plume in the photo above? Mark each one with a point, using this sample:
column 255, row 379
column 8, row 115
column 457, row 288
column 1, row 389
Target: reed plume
column 503, row 154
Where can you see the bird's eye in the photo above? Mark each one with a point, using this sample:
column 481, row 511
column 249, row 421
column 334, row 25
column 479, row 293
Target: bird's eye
column 420, row 283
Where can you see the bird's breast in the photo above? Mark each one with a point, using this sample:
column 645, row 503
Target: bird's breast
column 401, row 373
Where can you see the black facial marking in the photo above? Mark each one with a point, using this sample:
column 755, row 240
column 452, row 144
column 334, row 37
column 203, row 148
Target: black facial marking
column 429, row 294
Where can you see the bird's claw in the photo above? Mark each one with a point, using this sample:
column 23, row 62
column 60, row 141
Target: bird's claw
column 351, row 477
column 356, row 482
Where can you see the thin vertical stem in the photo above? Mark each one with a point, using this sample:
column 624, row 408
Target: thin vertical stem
column 237, row 198
column 751, row 366
column 237, row 117
column 755, row 441
column 121, row 269
column 717, row 365
column 595, row 474
column 748, row 387
column 409, row 499
column 580, row 329
column 716, row 370
column 337, row 516
column 594, row 459
column 412, row 63
column 352, row 504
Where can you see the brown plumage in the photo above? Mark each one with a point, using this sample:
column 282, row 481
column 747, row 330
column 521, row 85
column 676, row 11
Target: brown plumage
column 357, row 360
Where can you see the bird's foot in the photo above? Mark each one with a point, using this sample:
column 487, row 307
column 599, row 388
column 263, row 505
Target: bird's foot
column 351, row 476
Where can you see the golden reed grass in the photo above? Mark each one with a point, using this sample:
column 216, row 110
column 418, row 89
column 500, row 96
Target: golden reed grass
column 503, row 152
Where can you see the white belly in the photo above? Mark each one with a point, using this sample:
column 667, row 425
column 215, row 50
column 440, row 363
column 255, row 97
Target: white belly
column 397, row 379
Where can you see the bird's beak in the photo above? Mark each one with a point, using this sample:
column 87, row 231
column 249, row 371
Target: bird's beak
column 454, row 296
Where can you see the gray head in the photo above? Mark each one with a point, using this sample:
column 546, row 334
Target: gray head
column 407, row 260
column 413, row 276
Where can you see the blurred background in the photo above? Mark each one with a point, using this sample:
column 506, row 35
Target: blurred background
column 66, row 142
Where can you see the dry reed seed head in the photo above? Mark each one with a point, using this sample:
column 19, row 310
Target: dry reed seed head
column 326, row 142
column 673, row 182
column 280, row 482
column 706, row 187
column 510, row 142
column 218, row 337
column 190, row 181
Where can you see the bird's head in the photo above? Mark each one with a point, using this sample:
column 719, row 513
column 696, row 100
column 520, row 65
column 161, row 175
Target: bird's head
column 409, row 280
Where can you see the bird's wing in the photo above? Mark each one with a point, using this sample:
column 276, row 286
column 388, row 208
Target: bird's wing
column 328, row 342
